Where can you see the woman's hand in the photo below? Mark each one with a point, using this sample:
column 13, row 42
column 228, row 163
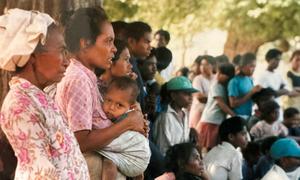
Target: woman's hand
column 136, row 122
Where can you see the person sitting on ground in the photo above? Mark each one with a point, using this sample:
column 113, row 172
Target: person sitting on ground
column 216, row 108
column 184, row 161
column 292, row 122
column 241, row 89
column 172, row 125
column 130, row 151
column 265, row 162
column 270, row 125
column 225, row 160
column 251, row 156
column 264, row 95
column 286, row 153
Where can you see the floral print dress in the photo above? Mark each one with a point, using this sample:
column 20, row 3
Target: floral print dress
column 43, row 144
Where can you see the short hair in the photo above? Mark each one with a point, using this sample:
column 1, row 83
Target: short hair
column 178, row 156
column 272, row 53
column 231, row 125
column 267, row 142
column 164, row 57
column 252, row 149
column 125, row 83
column 268, row 107
column 85, row 23
column 137, row 29
column 120, row 46
column 263, row 95
column 184, row 71
column 236, row 60
column 246, row 59
column 295, row 53
column 222, row 59
column 141, row 62
column 119, row 28
column 210, row 59
column 227, row 69
column 290, row 112
column 163, row 33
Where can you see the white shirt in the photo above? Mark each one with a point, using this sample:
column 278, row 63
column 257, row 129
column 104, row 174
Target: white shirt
column 271, row 79
column 169, row 129
column 275, row 173
column 224, row 162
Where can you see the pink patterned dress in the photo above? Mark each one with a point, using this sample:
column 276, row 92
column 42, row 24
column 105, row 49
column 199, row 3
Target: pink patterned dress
column 43, row 144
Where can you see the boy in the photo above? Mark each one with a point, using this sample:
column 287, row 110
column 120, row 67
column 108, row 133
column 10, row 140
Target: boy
column 225, row 161
column 241, row 89
column 292, row 121
column 130, row 151
column 269, row 126
column 286, row 153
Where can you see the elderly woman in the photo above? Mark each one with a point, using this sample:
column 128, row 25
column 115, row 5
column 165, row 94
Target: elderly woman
column 32, row 46
column 90, row 38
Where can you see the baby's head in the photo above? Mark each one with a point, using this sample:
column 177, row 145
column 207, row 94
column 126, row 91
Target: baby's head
column 120, row 96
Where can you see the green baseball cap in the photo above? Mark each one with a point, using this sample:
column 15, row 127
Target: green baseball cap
column 180, row 83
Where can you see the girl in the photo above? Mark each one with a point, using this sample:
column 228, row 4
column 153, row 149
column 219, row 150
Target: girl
column 171, row 126
column 216, row 108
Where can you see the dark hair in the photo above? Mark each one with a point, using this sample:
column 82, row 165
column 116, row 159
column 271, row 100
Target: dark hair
column 178, row 156
column 141, row 62
column 164, row 57
column 295, row 53
column 252, row 149
column 247, row 59
column 210, row 59
column 222, row 59
column 120, row 29
column 231, row 125
column 120, row 46
column 163, row 33
column 268, row 107
column 290, row 112
column 272, row 53
column 263, row 95
column 85, row 23
column 236, row 60
column 125, row 83
column 137, row 29
column 267, row 142
column 184, row 71
column 227, row 69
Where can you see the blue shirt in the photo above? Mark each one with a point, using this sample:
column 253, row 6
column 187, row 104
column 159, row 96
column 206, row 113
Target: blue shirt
column 238, row 87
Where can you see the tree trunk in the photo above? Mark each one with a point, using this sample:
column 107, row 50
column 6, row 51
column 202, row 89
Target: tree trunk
column 237, row 44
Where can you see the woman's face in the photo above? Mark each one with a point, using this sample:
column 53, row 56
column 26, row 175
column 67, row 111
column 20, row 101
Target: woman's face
column 195, row 165
column 100, row 54
column 122, row 66
column 205, row 67
column 296, row 62
column 51, row 63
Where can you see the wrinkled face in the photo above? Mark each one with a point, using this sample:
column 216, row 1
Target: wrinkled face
column 148, row 69
column 249, row 68
column 182, row 99
column 240, row 139
column 274, row 63
column 195, row 164
column 205, row 67
column 141, row 48
column 296, row 62
column 122, row 66
column 116, row 102
column 51, row 62
column 100, row 54
column 160, row 41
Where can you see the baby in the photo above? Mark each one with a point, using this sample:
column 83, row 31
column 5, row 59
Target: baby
column 130, row 151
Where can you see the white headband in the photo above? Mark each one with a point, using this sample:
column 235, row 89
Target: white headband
column 20, row 32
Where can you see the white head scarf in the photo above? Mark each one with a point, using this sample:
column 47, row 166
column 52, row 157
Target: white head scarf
column 20, row 33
